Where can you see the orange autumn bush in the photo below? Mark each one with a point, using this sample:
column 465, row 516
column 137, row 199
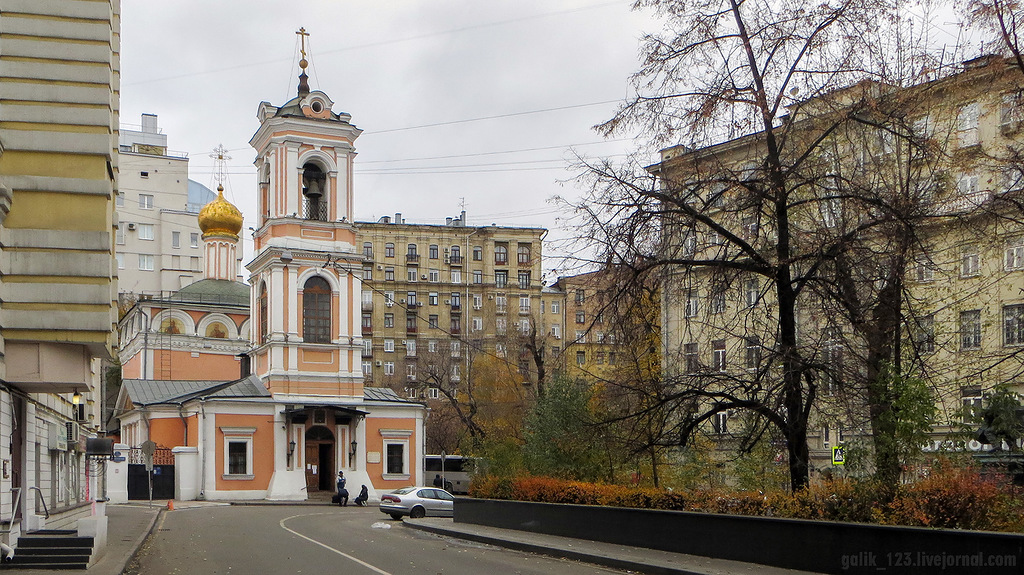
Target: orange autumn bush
column 956, row 498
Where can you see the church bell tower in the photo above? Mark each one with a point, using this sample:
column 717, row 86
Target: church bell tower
column 305, row 274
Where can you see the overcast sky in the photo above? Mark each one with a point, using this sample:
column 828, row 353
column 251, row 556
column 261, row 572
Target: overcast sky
column 550, row 69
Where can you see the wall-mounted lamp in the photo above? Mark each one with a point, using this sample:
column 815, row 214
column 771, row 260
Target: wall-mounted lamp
column 76, row 399
column 353, row 448
column 291, row 450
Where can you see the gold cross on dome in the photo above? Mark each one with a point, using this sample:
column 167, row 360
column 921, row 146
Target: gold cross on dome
column 303, row 34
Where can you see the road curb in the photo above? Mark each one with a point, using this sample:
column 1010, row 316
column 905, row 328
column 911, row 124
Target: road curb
column 602, row 560
column 139, row 542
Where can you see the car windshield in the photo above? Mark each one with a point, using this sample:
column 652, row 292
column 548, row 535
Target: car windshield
column 403, row 490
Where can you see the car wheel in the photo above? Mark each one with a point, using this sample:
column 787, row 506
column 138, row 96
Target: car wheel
column 396, row 516
column 417, row 512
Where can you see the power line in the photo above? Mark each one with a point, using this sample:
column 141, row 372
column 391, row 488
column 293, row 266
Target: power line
column 495, row 117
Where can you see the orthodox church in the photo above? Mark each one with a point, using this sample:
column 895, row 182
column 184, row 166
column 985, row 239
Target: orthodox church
column 256, row 391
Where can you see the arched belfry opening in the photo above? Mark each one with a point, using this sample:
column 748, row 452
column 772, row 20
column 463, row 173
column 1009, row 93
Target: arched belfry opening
column 314, row 186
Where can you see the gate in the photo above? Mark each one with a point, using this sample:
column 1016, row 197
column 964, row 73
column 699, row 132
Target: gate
column 163, row 474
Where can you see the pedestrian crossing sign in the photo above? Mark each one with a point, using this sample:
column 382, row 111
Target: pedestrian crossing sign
column 838, row 455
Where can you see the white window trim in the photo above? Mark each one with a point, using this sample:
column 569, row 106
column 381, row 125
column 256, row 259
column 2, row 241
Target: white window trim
column 396, row 437
column 238, row 435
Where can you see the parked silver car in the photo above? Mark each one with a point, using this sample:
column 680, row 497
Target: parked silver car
column 417, row 502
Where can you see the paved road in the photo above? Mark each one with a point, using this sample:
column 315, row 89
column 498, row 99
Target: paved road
column 271, row 539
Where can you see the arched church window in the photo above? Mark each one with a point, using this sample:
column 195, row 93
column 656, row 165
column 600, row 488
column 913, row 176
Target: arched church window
column 316, row 311
column 314, row 185
column 262, row 335
column 216, row 330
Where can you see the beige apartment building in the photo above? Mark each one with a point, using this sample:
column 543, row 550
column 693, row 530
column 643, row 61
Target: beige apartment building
column 437, row 297
column 963, row 286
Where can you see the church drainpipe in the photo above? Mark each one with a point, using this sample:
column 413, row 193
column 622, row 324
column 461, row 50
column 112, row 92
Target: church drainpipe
column 202, row 449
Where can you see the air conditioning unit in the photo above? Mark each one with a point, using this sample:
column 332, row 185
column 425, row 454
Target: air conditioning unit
column 131, row 225
column 447, row 302
column 423, row 276
column 379, row 267
column 58, row 437
column 447, row 260
column 74, row 432
column 401, row 300
column 419, row 304
column 490, row 297
column 379, row 363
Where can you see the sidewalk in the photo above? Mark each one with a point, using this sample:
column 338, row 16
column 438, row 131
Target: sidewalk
column 609, row 555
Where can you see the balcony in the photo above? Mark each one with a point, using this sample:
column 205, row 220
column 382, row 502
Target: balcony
column 454, row 260
column 367, row 306
column 367, row 330
column 412, row 258
column 456, row 306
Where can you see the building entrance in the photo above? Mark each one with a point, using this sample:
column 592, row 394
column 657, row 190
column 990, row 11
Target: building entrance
column 320, row 468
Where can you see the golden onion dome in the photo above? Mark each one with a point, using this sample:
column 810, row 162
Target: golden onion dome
column 220, row 217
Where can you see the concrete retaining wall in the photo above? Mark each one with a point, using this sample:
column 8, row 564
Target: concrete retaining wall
column 821, row 546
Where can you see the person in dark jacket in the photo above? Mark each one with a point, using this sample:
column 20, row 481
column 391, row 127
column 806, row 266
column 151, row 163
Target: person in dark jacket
column 342, row 492
column 438, row 482
column 360, row 499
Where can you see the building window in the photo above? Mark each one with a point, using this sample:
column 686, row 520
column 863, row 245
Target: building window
column 316, row 311
column 146, row 201
column 456, row 323
column 368, row 273
column 556, row 331
column 500, row 279
column 720, row 423
column 389, row 250
column 524, row 280
column 455, row 372
column 500, row 254
column 410, row 322
column 432, row 321
column 435, row 275
column 524, row 304
column 433, row 393
column 146, row 232
column 238, row 452
column 691, row 304
column 410, row 274
column 925, row 335
column 120, row 261
column 146, row 262
column 367, row 368
column 581, row 317
column 581, row 358
column 389, row 274
column 478, row 301
column 119, row 234
column 432, row 345
column 410, row 299
column 599, row 358
column 478, row 277
column 524, row 326
column 718, row 301
column 193, row 240
column 691, row 358
column 411, row 251
column 193, row 263
column 556, row 307
column 456, row 300
column 753, row 356
column 395, row 458
column 410, row 372
column 389, row 320
column 523, row 255
column 1013, row 324
column 432, row 251
column 1015, row 254
column 580, row 296
column 389, row 368
column 718, row 355
column 967, row 125
column 175, row 239
column 367, row 348
column 478, row 254
column 456, row 276
column 500, row 325
column 924, row 269
column 263, row 320
column 368, row 249
column 120, row 200
column 581, row 336
column 749, row 228
column 432, row 298
column 751, row 292
column 367, row 322
column 456, row 255
column 971, row 400
column 456, row 348
column 970, row 261
column 970, row 329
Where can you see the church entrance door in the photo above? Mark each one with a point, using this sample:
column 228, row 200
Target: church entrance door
column 319, row 459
